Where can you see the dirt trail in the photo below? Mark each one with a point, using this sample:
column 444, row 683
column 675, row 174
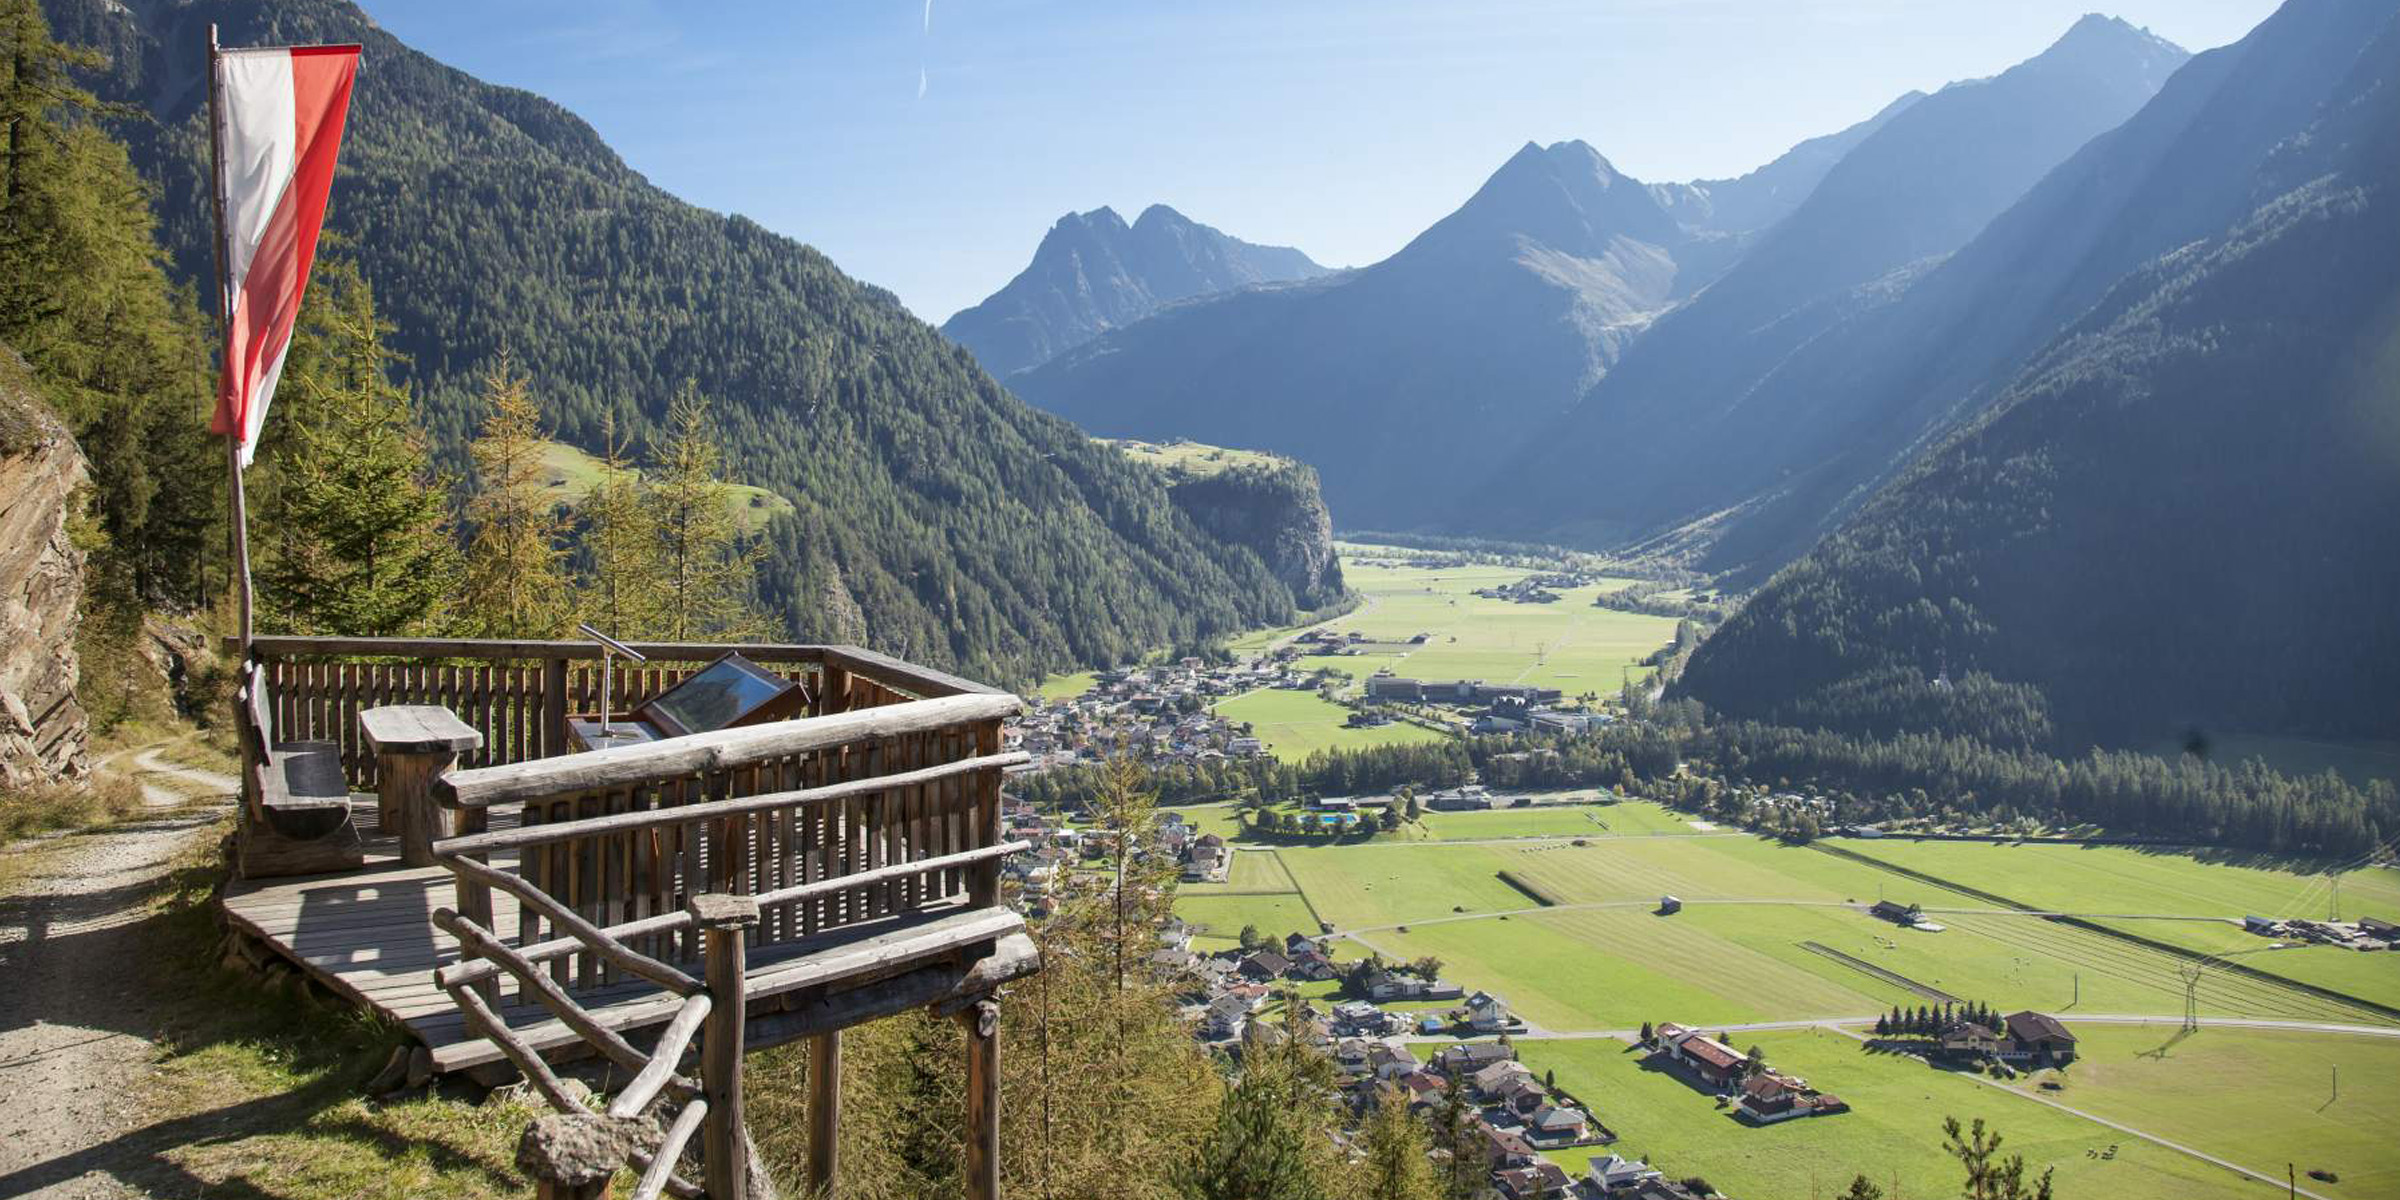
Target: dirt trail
column 74, row 1001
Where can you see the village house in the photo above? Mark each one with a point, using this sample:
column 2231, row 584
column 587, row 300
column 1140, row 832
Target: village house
column 1391, row 1060
column 1544, row 1180
column 1466, row 1058
column 1611, row 1175
column 1557, row 1125
column 1713, row 1062
column 1489, row 1081
column 1487, row 1014
column 1504, row 1148
column 1266, row 966
column 2037, row 1038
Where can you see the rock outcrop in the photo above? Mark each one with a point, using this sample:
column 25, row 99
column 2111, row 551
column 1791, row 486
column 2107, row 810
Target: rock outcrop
column 1277, row 512
column 42, row 725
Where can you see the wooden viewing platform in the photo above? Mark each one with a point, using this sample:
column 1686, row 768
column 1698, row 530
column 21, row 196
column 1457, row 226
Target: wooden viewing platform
column 506, row 900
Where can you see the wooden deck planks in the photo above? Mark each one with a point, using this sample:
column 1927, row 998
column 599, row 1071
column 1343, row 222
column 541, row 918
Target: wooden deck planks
column 369, row 935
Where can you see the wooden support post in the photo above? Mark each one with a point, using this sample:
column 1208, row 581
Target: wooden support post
column 982, row 1021
column 554, row 707
column 824, row 1112
column 983, row 879
column 724, row 922
column 834, row 690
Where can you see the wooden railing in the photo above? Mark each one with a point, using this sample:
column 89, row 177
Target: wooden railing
column 519, row 694
column 862, row 850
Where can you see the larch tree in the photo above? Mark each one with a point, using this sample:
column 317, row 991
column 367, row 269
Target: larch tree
column 517, row 582
column 1396, row 1164
column 705, row 565
column 619, row 587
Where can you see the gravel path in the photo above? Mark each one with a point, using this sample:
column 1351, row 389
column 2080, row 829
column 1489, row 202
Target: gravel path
column 75, row 1007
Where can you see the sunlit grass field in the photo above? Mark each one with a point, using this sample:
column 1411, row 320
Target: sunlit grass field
column 1893, row 1132
column 1569, row 645
column 1295, row 725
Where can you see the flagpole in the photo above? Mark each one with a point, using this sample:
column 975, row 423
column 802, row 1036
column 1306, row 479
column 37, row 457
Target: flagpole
column 239, row 533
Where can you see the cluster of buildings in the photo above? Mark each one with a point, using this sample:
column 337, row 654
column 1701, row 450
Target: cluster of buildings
column 1761, row 1094
column 2366, row 933
column 2024, row 1039
column 1496, row 707
column 1160, row 713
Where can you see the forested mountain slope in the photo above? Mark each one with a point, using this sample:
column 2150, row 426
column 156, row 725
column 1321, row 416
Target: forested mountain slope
column 2180, row 515
column 935, row 515
column 1093, row 272
column 1678, row 429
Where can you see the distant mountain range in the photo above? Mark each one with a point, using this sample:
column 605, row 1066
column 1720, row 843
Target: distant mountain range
column 933, row 514
column 1467, row 382
column 2174, row 515
column 1093, row 273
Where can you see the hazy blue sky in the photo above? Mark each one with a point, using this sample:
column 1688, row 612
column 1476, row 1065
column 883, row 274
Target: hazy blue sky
column 927, row 145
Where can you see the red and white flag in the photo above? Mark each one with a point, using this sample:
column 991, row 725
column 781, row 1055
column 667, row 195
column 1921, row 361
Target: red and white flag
column 279, row 127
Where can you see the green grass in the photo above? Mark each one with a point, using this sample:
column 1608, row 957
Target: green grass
column 1893, row 1130
column 2127, row 882
column 1255, row 872
column 1067, row 687
column 1629, row 818
column 571, row 474
column 1221, row 917
column 1295, row 725
column 1196, row 459
column 1569, row 645
column 2156, row 1080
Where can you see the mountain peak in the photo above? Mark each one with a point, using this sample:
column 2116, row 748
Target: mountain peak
column 2098, row 42
column 1565, row 196
column 1093, row 272
column 1159, row 214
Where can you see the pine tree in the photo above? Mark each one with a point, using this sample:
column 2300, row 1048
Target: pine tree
column 1454, row 1135
column 356, row 532
column 1395, row 1164
column 1990, row 1177
column 516, row 562
column 705, row 565
column 114, row 349
column 1862, row 1188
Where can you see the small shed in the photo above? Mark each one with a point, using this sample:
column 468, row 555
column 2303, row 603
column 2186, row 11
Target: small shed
column 1669, row 905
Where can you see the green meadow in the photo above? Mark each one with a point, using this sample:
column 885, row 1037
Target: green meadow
column 570, row 474
column 1570, row 644
column 1295, row 725
column 2170, row 1084
column 1893, row 1131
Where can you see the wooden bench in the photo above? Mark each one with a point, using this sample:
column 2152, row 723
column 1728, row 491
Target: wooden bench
column 297, row 819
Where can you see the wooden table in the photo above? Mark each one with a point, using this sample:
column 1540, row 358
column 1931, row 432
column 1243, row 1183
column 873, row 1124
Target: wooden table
column 414, row 745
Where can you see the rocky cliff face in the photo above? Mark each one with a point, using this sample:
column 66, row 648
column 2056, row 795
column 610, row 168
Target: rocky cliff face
column 1277, row 512
column 42, row 726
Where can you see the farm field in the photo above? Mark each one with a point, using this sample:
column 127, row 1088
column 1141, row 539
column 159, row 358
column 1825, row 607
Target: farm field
column 1894, row 1130
column 1550, row 819
column 2125, row 880
column 2147, row 1076
column 1295, row 725
column 1217, row 920
column 1569, row 645
column 1254, row 871
column 1067, row 687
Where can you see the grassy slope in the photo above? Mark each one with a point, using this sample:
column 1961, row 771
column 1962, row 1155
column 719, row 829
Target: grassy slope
column 571, row 474
column 1193, row 458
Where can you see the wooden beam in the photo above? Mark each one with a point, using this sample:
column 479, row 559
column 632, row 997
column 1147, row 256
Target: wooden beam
column 661, row 1169
column 627, row 822
column 297, row 645
column 725, row 1149
column 474, row 940
column 982, row 1023
column 660, row 1070
column 824, row 1111
column 900, row 674
column 704, row 753
column 595, row 939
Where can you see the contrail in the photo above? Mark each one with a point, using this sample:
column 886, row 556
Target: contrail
column 920, row 83
column 929, row 16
